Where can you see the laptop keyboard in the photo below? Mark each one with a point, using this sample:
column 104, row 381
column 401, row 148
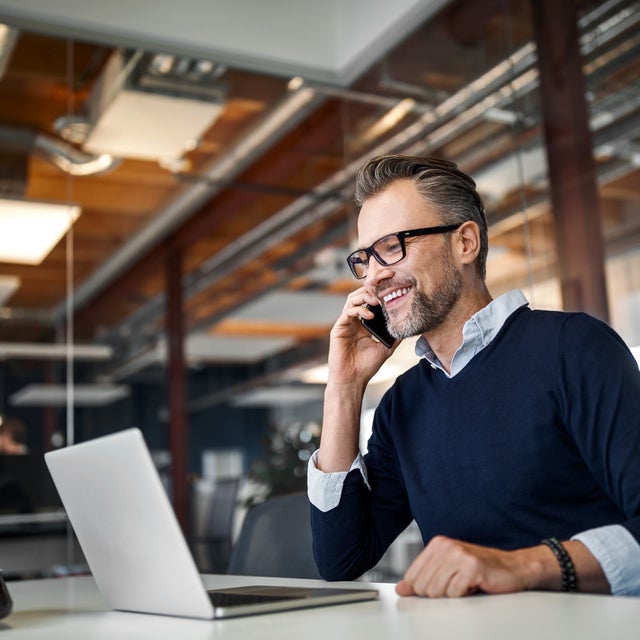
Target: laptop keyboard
column 227, row 599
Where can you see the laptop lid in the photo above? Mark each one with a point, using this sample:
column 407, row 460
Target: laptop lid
column 126, row 527
column 134, row 546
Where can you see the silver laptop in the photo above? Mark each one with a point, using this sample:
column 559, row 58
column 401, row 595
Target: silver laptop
column 134, row 546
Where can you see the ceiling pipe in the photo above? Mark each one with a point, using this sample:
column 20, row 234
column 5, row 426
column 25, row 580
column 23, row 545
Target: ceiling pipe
column 65, row 156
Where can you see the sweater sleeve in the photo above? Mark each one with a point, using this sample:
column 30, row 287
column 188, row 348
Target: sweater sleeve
column 599, row 386
column 352, row 537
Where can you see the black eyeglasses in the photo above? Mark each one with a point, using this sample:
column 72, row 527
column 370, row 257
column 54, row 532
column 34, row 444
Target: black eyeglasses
column 389, row 249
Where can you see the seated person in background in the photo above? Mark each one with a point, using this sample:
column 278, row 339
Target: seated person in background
column 13, row 496
column 13, row 437
column 515, row 441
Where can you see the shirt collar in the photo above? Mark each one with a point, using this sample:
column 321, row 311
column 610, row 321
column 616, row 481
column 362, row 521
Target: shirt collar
column 478, row 331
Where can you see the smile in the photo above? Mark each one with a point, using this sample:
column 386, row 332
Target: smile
column 396, row 294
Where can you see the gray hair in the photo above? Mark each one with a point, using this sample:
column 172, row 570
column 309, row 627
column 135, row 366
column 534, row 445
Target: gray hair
column 451, row 192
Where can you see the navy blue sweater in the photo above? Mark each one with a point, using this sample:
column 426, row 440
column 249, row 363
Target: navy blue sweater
column 539, row 435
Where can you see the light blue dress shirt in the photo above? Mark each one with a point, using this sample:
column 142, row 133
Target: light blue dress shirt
column 613, row 546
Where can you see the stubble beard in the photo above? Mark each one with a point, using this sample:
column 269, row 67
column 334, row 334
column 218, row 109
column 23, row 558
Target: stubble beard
column 428, row 312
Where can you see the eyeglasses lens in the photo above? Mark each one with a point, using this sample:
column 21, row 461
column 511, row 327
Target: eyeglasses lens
column 386, row 251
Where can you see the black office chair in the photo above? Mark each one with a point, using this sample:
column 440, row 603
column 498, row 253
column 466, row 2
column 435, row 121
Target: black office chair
column 275, row 540
column 214, row 546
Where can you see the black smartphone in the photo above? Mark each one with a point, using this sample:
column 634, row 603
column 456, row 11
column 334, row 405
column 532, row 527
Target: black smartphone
column 377, row 326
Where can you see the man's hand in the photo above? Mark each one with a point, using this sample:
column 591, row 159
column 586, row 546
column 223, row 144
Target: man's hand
column 452, row 568
column 354, row 357
column 448, row 567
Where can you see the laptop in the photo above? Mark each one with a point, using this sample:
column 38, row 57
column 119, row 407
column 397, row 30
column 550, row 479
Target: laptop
column 135, row 548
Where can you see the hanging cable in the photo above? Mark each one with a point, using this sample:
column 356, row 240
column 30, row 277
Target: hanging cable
column 69, row 271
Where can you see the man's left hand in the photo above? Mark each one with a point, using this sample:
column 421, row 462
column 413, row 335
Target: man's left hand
column 452, row 568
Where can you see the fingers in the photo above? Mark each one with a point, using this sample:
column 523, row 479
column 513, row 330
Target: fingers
column 353, row 355
column 404, row 588
column 355, row 305
column 452, row 568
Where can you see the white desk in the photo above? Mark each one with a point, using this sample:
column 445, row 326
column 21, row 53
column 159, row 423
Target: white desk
column 71, row 608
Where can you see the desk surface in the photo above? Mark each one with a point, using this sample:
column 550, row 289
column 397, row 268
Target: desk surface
column 71, row 608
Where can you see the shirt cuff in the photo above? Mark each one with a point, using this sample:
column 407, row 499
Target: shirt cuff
column 325, row 489
column 618, row 553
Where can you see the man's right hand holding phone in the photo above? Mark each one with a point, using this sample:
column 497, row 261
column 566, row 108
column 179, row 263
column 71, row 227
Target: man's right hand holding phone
column 354, row 357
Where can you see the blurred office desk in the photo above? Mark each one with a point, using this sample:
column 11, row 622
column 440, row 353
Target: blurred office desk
column 35, row 544
column 71, row 608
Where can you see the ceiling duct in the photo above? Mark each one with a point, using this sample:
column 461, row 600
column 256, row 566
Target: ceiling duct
column 20, row 141
column 153, row 106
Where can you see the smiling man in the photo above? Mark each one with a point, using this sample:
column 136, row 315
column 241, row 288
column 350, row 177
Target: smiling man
column 513, row 443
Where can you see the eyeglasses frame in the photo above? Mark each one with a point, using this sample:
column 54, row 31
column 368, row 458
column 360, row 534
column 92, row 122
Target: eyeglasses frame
column 401, row 236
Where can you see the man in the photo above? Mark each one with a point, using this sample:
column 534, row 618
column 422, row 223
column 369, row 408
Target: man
column 514, row 443
column 13, row 436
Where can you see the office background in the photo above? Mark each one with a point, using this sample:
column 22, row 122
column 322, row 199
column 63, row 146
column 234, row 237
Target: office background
column 201, row 160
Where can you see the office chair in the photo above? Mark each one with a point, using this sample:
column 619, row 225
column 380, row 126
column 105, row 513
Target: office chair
column 275, row 540
column 214, row 546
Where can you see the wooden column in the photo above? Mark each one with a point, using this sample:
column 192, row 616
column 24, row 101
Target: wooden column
column 177, row 389
column 574, row 192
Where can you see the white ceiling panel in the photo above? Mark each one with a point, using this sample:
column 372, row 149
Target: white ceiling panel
column 328, row 41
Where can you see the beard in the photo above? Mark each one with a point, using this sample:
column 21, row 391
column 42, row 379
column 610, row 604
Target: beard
column 427, row 312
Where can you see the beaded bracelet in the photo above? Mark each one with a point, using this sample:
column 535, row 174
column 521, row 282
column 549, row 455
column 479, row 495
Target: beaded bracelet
column 569, row 579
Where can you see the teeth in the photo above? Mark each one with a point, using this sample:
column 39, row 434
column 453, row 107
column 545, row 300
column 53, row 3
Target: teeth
column 395, row 294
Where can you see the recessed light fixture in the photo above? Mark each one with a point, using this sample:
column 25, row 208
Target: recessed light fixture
column 57, row 395
column 57, row 351
column 135, row 98
column 30, row 230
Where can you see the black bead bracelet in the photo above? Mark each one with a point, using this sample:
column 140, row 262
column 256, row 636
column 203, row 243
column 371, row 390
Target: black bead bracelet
column 569, row 579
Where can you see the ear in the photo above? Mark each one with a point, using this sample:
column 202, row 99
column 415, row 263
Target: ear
column 467, row 242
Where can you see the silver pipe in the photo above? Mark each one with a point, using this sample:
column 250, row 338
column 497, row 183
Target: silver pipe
column 64, row 155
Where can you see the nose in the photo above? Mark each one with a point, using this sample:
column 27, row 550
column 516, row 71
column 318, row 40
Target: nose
column 376, row 273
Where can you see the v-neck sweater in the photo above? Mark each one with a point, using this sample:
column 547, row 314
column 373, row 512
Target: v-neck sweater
column 538, row 435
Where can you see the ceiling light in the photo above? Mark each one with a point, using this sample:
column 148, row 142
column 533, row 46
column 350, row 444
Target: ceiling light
column 30, row 230
column 277, row 396
column 149, row 126
column 57, row 395
column 42, row 351
column 146, row 108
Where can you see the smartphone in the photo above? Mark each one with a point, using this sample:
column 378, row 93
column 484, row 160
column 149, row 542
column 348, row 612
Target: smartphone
column 377, row 326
